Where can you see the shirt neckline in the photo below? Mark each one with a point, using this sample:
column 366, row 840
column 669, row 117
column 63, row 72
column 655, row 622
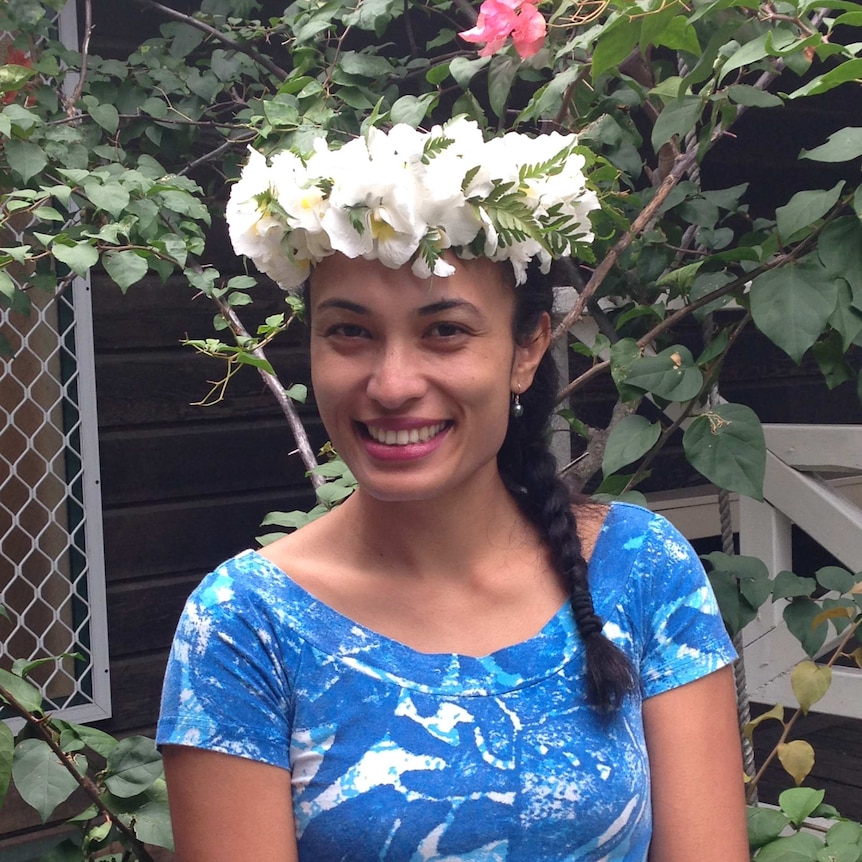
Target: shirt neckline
column 376, row 655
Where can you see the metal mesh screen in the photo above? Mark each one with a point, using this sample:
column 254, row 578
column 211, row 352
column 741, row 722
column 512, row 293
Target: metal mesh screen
column 51, row 562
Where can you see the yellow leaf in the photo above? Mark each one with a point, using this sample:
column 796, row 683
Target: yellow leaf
column 797, row 758
column 856, row 655
column 810, row 682
column 777, row 712
column 830, row 614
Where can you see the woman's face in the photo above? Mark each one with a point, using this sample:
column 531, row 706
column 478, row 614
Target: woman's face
column 413, row 377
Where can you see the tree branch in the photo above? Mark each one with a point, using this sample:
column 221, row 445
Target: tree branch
column 284, row 400
column 677, row 172
column 259, row 58
column 38, row 725
column 85, row 51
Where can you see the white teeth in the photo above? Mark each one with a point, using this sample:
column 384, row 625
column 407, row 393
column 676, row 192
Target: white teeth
column 403, row 437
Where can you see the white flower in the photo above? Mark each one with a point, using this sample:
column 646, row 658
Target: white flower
column 405, row 196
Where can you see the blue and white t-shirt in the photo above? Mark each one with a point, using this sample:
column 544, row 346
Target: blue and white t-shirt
column 400, row 756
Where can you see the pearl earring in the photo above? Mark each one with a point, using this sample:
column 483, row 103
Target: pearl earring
column 517, row 408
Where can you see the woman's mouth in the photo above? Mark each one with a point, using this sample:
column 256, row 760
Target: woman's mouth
column 405, row 436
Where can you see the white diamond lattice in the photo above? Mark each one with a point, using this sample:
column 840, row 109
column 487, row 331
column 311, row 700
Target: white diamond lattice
column 51, row 563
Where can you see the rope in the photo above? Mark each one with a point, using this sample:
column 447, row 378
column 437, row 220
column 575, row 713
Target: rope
column 743, row 706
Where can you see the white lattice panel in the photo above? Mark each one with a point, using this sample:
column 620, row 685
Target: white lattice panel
column 51, row 560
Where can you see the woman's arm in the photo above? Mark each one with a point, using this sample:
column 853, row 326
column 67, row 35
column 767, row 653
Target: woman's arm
column 226, row 808
column 692, row 736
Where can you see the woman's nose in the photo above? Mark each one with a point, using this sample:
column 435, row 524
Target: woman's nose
column 395, row 378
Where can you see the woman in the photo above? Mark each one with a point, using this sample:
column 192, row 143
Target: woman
column 432, row 671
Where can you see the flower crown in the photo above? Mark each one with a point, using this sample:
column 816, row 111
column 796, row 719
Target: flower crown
column 406, row 196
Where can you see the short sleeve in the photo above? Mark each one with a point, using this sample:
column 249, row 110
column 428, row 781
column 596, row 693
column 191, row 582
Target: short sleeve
column 227, row 685
column 682, row 635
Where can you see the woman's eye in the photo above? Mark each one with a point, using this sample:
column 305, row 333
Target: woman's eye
column 346, row 330
column 447, row 330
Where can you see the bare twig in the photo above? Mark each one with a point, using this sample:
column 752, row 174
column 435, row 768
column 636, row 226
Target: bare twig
column 259, row 58
column 213, row 154
column 71, row 109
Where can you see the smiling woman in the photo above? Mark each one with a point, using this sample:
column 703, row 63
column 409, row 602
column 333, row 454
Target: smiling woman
column 459, row 662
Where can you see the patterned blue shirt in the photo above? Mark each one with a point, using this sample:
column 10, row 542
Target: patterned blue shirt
column 400, row 756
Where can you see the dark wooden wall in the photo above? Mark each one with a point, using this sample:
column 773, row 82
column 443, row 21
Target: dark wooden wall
column 183, row 486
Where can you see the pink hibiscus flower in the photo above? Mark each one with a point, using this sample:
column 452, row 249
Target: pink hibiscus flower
column 498, row 19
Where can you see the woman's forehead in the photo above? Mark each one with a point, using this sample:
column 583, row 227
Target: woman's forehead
column 343, row 281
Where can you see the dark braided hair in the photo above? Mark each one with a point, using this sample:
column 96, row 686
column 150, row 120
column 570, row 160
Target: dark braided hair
column 530, row 472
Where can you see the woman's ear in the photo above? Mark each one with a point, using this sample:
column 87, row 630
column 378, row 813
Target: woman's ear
column 529, row 353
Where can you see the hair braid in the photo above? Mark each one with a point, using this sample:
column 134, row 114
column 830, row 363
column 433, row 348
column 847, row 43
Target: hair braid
column 530, row 471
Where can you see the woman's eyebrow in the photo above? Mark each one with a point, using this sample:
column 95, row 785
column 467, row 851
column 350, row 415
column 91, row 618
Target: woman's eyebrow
column 447, row 305
column 344, row 305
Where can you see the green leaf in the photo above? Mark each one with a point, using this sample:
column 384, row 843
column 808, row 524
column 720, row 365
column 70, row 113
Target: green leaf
column 794, row 848
column 844, row 832
column 678, row 35
column 411, row 109
column 7, row 750
column 25, row 158
column 800, row 616
column 670, row 374
column 132, row 766
column 41, row 780
column 125, row 267
column 840, row 146
column 241, row 282
column 748, row 53
column 501, row 76
column 367, row 65
column 298, row 392
column 289, row 520
column 838, row 852
column 792, row 305
column 78, row 257
column 835, row 578
column 111, row 197
column 624, row 354
column 800, row 802
column 829, row 353
column 630, row 438
column 13, row 77
column 151, row 816
column 237, row 298
column 615, row 43
column 27, row 695
column 850, row 70
column 805, row 208
column 96, row 740
column 741, row 585
column 765, row 825
column 463, row 69
column 839, row 248
column 256, row 362
column 788, row 585
column 727, row 446
column 677, row 118
column 332, row 493
column 810, row 681
column 107, row 117
column 846, row 319
column 753, row 97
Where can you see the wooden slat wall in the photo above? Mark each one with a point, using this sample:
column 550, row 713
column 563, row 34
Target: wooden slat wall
column 183, row 486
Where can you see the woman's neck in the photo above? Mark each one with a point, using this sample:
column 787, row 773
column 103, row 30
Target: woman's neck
column 453, row 534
